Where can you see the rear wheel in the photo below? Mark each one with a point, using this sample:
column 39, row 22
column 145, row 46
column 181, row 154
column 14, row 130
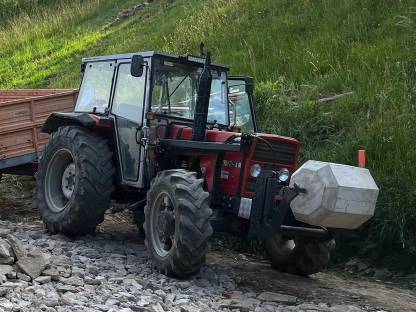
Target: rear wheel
column 74, row 181
column 177, row 222
column 298, row 256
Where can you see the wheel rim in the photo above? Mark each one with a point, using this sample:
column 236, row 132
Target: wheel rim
column 287, row 246
column 60, row 180
column 68, row 180
column 163, row 224
column 283, row 246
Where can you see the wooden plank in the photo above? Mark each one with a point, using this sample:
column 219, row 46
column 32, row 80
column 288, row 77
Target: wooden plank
column 17, row 143
column 19, row 94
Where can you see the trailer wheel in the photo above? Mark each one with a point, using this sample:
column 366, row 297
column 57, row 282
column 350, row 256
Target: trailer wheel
column 74, row 181
column 298, row 256
column 177, row 222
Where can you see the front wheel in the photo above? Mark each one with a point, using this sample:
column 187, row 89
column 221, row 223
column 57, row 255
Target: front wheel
column 298, row 256
column 74, row 181
column 177, row 222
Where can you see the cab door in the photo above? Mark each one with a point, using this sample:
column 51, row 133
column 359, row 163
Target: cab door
column 240, row 96
column 128, row 110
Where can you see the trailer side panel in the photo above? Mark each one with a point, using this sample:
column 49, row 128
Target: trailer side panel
column 21, row 119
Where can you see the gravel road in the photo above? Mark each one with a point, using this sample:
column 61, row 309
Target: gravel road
column 110, row 271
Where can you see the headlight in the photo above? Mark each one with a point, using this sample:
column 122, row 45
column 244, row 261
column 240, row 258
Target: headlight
column 255, row 170
column 284, row 175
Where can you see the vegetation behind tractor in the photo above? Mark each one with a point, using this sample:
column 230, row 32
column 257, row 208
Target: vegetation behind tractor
column 176, row 138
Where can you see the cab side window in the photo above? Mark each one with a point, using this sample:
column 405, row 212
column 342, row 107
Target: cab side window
column 129, row 95
column 240, row 112
column 94, row 94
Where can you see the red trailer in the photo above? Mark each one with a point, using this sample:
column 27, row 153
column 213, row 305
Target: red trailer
column 22, row 114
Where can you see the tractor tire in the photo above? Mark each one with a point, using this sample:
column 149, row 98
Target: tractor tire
column 74, row 181
column 178, row 209
column 298, row 256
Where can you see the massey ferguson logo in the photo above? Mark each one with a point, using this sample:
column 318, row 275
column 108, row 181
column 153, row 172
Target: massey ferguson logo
column 232, row 163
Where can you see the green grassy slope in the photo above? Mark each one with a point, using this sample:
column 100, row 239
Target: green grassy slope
column 10, row 8
column 298, row 51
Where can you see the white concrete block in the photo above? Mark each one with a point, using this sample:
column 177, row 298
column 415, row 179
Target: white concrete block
column 337, row 196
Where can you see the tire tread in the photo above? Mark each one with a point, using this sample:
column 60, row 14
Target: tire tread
column 192, row 200
column 95, row 182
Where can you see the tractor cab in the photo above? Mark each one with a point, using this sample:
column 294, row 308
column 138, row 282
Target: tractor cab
column 126, row 89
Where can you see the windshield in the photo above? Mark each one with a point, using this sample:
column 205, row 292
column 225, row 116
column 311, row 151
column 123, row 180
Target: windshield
column 175, row 88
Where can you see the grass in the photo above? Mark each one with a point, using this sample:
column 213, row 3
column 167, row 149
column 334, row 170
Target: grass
column 11, row 8
column 38, row 47
column 298, row 51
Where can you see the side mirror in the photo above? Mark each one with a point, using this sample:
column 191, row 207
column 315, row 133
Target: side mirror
column 137, row 65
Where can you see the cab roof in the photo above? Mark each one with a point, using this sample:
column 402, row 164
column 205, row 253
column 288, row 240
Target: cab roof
column 196, row 60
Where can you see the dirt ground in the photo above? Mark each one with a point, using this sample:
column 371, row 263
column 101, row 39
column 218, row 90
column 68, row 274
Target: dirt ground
column 331, row 287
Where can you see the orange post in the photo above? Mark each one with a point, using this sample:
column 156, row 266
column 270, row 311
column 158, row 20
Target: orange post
column 361, row 158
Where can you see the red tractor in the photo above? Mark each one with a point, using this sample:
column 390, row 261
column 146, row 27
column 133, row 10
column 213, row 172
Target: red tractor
column 176, row 139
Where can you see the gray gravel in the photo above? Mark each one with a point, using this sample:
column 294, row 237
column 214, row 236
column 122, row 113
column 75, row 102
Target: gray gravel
column 103, row 273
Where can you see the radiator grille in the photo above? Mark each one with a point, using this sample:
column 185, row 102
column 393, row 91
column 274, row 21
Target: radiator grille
column 282, row 153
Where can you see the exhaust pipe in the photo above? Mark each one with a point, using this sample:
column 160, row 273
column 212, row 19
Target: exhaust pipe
column 202, row 102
